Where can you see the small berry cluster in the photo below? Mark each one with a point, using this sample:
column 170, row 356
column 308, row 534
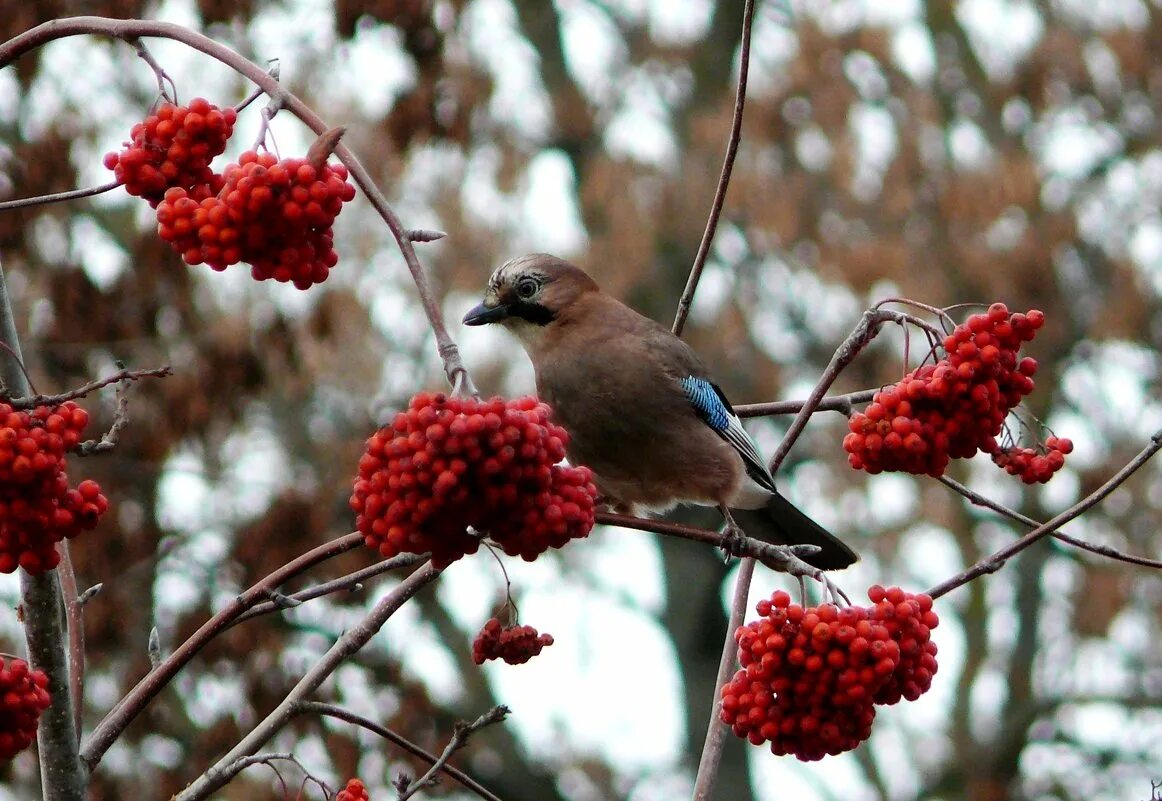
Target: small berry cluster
column 449, row 463
column 1031, row 464
column 953, row 408
column 275, row 215
column 811, row 678
column 173, row 147
column 354, row 791
column 23, row 696
column 37, row 507
column 514, row 644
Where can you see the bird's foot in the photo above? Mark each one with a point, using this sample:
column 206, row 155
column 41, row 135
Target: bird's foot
column 733, row 537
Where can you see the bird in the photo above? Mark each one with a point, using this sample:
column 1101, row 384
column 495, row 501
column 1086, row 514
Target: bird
column 640, row 407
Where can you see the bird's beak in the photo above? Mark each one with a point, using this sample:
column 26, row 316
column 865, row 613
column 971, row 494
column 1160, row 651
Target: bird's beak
column 485, row 314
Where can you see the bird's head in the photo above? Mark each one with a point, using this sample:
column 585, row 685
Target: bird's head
column 530, row 293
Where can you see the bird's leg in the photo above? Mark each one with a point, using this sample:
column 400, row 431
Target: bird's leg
column 734, row 537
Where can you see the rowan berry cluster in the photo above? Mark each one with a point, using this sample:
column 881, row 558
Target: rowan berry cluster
column 23, row 696
column 953, row 408
column 811, row 678
column 514, row 644
column 172, row 147
column 354, row 791
column 275, row 215
column 37, row 507
column 447, row 464
column 1034, row 465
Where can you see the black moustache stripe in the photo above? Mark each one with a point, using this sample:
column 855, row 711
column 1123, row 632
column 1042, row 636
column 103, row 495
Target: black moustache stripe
column 535, row 313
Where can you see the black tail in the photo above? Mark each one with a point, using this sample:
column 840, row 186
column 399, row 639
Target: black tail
column 780, row 522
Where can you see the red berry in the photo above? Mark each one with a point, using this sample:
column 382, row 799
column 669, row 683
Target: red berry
column 23, row 697
column 811, row 678
column 431, row 477
column 354, row 791
column 514, row 644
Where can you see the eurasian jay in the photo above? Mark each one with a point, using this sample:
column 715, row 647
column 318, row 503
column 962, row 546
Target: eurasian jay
column 639, row 406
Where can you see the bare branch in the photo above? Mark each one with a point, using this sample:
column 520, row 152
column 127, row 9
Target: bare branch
column 242, row 763
column 32, row 401
column 1101, row 550
column 76, row 634
column 844, row 404
column 57, row 197
column 996, row 561
column 161, row 75
column 347, row 644
column 864, row 332
column 350, row 582
column 330, row 710
column 109, row 440
column 723, row 179
column 783, row 558
column 460, row 734
column 712, row 746
column 109, row 729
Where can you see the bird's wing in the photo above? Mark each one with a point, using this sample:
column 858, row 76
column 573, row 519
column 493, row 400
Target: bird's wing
column 715, row 410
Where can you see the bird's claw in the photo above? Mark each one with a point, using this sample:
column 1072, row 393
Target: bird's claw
column 733, row 542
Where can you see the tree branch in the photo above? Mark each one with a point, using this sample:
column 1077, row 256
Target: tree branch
column 844, row 404
column 977, row 499
column 347, row 644
column 996, row 561
column 349, row 582
column 716, row 731
column 32, row 401
column 723, row 179
column 57, row 197
column 330, row 710
column 460, row 734
column 109, row 729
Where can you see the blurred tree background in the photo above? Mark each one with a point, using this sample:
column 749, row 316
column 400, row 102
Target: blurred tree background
column 948, row 152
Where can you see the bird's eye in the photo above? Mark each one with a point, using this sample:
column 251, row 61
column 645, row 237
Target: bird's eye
column 526, row 288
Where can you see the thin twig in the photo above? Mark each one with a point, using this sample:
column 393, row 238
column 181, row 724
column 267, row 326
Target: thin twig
column 273, row 71
column 783, row 558
column 996, row 561
column 131, row 29
column 687, row 298
column 330, row 710
column 57, row 197
column 109, row 440
column 346, row 645
column 76, row 634
column 460, row 734
column 844, row 404
column 161, row 75
column 349, row 582
column 941, row 314
column 977, row 499
column 712, row 746
column 864, row 332
column 153, row 682
column 242, row 763
column 32, row 401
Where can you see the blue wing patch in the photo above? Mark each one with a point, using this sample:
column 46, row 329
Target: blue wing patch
column 707, row 403
column 715, row 410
